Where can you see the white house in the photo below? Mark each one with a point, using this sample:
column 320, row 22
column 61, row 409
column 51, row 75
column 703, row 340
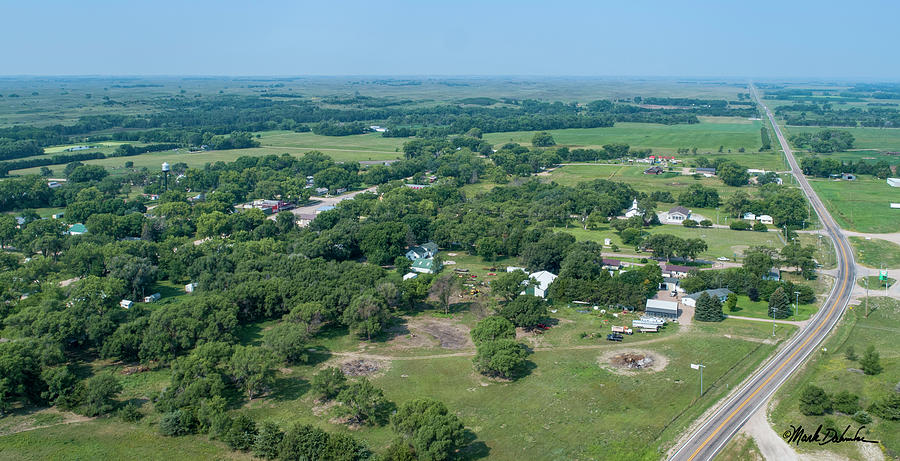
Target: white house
column 425, row 250
column 542, row 281
column 190, row 287
column 748, row 216
column 678, row 215
column 126, row 304
column 634, row 210
column 893, row 182
column 410, row 275
column 660, row 308
column 765, row 219
column 691, row 299
column 423, row 265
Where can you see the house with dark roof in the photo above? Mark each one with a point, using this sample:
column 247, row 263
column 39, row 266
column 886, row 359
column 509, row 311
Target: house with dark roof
column 706, row 171
column 678, row 215
column 654, row 170
column 676, row 271
column 612, row 264
column 425, row 250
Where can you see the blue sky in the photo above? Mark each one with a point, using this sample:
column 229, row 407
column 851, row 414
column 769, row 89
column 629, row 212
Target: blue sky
column 803, row 39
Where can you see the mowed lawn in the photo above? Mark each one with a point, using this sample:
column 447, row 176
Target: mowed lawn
column 340, row 148
column 876, row 252
column 830, row 370
column 863, row 205
column 733, row 134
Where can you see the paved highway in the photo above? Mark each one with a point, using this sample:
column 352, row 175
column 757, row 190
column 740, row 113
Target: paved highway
column 709, row 438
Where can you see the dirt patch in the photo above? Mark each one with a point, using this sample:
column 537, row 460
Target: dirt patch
column 447, row 333
column 632, row 361
column 402, row 338
column 136, row 369
column 363, row 367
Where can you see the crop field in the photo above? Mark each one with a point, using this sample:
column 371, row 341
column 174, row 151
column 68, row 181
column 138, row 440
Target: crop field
column 862, row 205
column 833, row 372
column 705, row 136
column 876, row 252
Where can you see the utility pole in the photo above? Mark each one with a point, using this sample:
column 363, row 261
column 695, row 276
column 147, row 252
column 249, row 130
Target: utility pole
column 797, row 303
column 866, row 279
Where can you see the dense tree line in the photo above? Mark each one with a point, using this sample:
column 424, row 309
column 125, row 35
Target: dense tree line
column 824, row 141
column 824, row 167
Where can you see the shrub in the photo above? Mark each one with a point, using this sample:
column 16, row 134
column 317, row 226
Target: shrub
column 871, row 362
column 846, row 402
column 241, row 434
column 760, row 227
column 503, row 358
column 492, row 328
column 130, row 413
column 328, row 383
column 862, row 417
column 739, row 225
column 176, row 423
column 268, row 440
column 706, row 223
column 814, row 401
column 689, row 223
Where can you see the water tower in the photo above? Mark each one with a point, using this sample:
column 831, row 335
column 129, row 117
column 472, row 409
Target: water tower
column 165, row 169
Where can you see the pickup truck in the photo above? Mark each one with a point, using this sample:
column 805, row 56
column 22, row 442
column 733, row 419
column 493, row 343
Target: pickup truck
column 614, row 337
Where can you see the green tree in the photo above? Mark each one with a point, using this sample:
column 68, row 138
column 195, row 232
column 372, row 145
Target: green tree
column 846, row 403
column 542, row 139
column 253, row 369
column 288, row 341
column 871, row 361
column 241, row 434
column 779, row 305
column 430, row 428
column 731, row 302
column 364, row 402
column 493, row 328
column 99, row 393
column 814, row 401
column 328, row 383
column 508, row 285
column 888, row 407
column 708, row 309
column 503, row 357
column 367, row 315
column 268, row 440
column 524, row 311
column 732, row 174
column 303, row 442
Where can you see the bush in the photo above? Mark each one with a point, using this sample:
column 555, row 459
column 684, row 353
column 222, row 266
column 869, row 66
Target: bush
column 98, row 393
column 814, row 401
column 268, row 440
column 862, row 417
column 130, row 413
column 706, row 223
column 241, row 434
column 493, row 328
column 871, row 362
column 846, row 403
column 525, row 311
column 760, row 227
column 739, row 225
column 176, row 423
column 328, row 383
column 503, row 358
column 888, row 407
column 850, row 353
column 689, row 223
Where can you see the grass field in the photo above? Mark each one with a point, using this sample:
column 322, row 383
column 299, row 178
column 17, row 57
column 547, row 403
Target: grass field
column 862, row 205
column 829, row 369
column 760, row 309
column 876, row 252
column 341, row 148
column 874, row 283
column 734, row 133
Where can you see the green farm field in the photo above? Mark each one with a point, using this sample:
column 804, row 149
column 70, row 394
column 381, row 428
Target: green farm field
column 862, row 205
column 341, row 148
column 831, row 370
column 733, row 133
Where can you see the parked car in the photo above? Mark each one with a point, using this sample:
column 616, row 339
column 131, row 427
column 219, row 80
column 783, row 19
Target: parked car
column 722, row 258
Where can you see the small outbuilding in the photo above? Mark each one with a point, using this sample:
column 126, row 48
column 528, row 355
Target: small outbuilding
column 765, row 219
column 660, row 308
column 541, row 283
column 77, row 229
column 152, row 298
column 691, row 299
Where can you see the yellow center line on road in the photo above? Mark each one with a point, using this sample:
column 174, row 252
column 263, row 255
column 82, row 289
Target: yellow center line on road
column 788, row 360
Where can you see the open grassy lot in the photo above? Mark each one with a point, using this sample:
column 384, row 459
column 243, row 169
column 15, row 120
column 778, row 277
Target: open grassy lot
column 720, row 242
column 359, row 144
column 874, row 283
column 705, row 136
column 868, row 156
column 876, row 252
column 862, row 205
column 831, row 371
column 760, row 309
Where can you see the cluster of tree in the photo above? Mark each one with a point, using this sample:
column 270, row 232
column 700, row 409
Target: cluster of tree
column 764, row 137
column 708, row 309
column 809, row 112
column 127, row 150
column 667, row 246
column 699, row 196
column 12, row 149
column 824, row 167
column 330, row 128
column 57, row 159
column 824, row 141
column 787, row 206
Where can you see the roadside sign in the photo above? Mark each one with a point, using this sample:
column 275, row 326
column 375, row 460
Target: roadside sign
column 695, row 366
column 882, row 275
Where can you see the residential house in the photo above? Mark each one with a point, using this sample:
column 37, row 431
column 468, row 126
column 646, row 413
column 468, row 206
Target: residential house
column 671, row 284
column 77, row 229
column 425, row 250
column 660, row 308
column 765, row 219
column 773, row 274
column 655, row 170
column 748, row 216
column 126, row 304
column 542, row 281
column 691, row 299
column 424, row 266
column 678, row 214
column 190, row 287
column 612, row 264
column 893, row 182
column 676, row 271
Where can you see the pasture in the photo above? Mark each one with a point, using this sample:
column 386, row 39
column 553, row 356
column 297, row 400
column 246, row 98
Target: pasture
column 706, row 136
column 831, row 370
column 862, row 205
